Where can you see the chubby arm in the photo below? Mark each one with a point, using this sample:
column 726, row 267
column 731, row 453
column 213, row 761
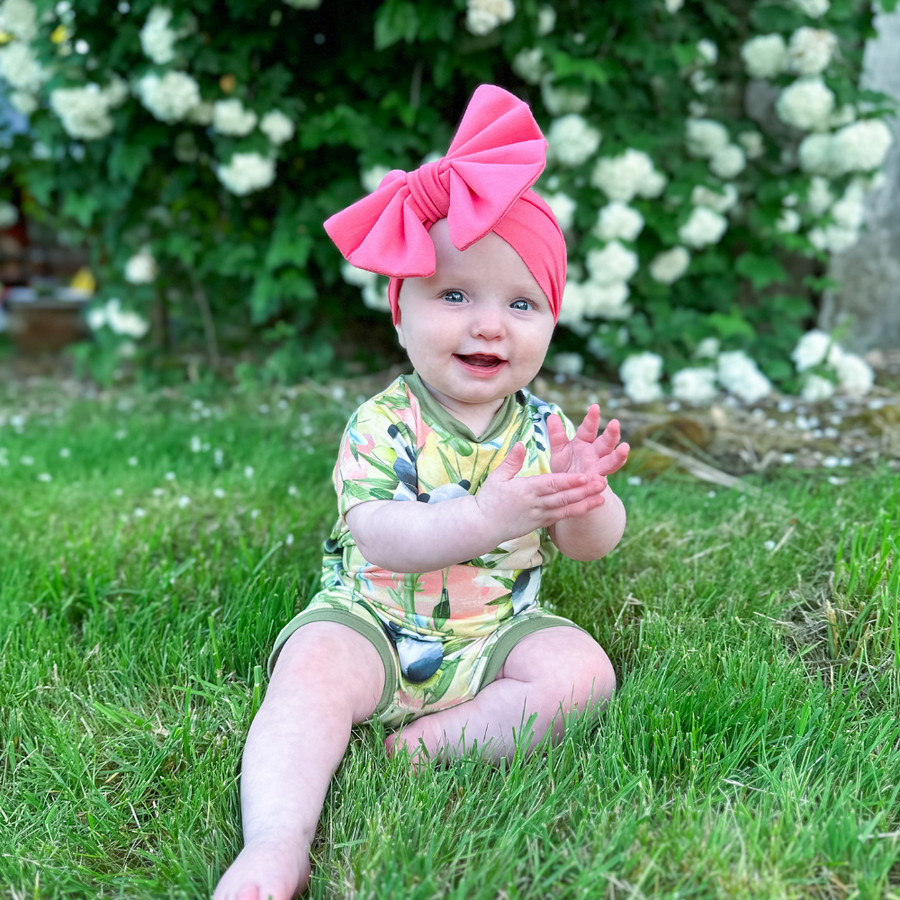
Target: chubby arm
column 597, row 532
column 421, row 537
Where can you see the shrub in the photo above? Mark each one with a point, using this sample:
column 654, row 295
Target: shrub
column 704, row 160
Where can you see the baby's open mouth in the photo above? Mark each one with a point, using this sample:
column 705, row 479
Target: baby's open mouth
column 485, row 360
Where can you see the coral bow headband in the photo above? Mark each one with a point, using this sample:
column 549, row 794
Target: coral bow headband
column 481, row 185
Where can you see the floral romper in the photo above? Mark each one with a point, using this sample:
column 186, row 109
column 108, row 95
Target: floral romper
column 442, row 635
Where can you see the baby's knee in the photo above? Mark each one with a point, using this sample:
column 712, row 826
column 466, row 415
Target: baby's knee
column 587, row 678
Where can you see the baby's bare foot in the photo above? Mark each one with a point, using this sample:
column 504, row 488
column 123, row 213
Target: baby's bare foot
column 266, row 870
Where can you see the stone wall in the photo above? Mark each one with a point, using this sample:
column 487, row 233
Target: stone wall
column 868, row 300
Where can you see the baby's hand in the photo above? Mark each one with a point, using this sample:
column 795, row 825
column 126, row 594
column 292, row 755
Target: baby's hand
column 520, row 505
column 587, row 453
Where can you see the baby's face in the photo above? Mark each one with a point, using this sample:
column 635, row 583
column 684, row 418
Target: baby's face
column 478, row 329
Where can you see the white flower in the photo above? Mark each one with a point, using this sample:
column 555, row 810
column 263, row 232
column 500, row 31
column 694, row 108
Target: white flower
column 158, row 39
column 811, row 349
column 640, row 374
column 739, row 375
column 528, row 64
column 806, row 104
column 789, row 221
column 850, row 211
column 304, row 4
column 641, row 367
column 546, row 20
column 752, row 142
column 483, row 16
column 765, row 56
column 704, row 226
column 218, row 493
column 708, row 348
column 196, row 444
column 19, row 66
column 19, row 17
column 702, row 195
column 125, row 322
column 572, row 140
column 230, row 117
column 728, row 162
column 45, row 476
column 629, row 174
column 701, row 82
column 673, row 6
column 667, row 267
column 357, row 277
column 861, row 146
column 816, row 154
column 25, row 103
column 572, row 309
column 375, row 296
column 696, row 386
column 277, row 127
column 563, row 208
column 833, row 238
column 605, row 300
column 169, row 98
column 183, row 502
column 705, row 137
column 618, row 221
column 249, row 471
column 84, row 111
column 372, row 178
column 141, row 268
column 561, row 100
column 810, row 50
column 813, row 8
column 817, row 388
column 9, row 215
column 246, row 172
column 708, row 51
column 854, row 373
column 567, row 363
column 819, row 198
column 613, row 263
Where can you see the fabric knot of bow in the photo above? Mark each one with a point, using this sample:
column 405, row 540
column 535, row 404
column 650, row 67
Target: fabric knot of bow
column 481, row 185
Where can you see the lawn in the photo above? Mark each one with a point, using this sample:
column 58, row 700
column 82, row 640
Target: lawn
column 151, row 547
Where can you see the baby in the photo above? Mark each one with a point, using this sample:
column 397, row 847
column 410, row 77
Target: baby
column 428, row 616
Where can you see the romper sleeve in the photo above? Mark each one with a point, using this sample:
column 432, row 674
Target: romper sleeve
column 377, row 457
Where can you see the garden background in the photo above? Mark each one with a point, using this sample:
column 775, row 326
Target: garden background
column 164, row 479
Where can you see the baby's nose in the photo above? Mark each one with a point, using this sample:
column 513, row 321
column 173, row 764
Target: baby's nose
column 488, row 323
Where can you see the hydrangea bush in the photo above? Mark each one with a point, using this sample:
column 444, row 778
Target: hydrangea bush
column 704, row 161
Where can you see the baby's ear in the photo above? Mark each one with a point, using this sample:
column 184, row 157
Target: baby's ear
column 399, row 329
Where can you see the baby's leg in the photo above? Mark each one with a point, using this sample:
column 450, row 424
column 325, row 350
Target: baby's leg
column 327, row 678
column 548, row 672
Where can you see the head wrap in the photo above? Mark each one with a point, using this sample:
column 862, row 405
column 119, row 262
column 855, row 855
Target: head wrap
column 481, row 185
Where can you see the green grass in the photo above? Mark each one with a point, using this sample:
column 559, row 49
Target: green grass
column 752, row 750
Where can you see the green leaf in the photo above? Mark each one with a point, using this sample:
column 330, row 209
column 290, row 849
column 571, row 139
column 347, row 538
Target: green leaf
column 396, row 21
column 760, row 270
column 128, row 160
column 731, row 325
column 81, row 207
column 565, row 65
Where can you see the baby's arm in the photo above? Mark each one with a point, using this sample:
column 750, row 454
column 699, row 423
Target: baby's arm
column 596, row 533
column 422, row 537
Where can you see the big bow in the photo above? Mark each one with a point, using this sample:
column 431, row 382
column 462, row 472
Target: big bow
column 497, row 155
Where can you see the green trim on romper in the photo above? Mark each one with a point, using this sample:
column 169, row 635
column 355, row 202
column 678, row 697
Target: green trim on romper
column 434, row 411
column 508, row 640
column 374, row 633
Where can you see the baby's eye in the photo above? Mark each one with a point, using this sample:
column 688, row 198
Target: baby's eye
column 522, row 304
column 454, row 296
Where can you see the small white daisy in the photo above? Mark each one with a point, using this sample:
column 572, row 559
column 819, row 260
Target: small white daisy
column 183, row 501
column 65, row 453
column 132, row 461
column 27, row 460
column 218, row 493
column 139, row 513
column 45, row 476
column 249, row 471
column 289, row 540
column 254, row 513
column 170, row 476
